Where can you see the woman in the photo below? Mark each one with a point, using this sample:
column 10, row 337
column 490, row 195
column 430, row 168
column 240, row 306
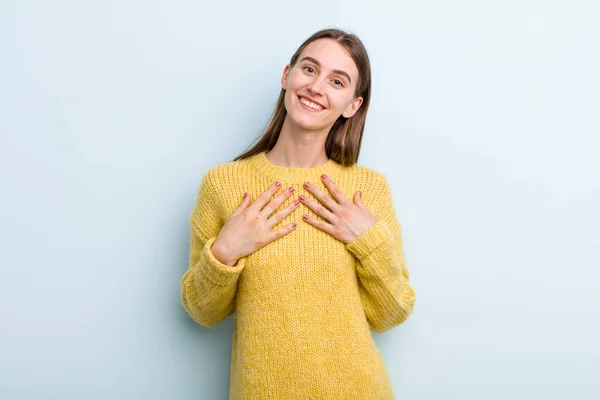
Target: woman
column 308, row 277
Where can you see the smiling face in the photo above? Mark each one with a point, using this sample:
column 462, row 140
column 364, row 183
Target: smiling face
column 320, row 86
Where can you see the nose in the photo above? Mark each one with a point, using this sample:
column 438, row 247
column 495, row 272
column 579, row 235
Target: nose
column 316, row 86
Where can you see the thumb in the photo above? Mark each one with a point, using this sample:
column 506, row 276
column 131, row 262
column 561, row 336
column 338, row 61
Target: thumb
column 358, row 199
column 245, row 202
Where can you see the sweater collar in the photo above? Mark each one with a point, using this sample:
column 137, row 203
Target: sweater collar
column 293, row 174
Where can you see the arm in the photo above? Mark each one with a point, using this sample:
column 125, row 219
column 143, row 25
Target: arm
column 208, row 287
column 387, row 295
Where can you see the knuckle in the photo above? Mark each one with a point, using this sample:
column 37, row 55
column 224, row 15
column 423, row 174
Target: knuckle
column 268, row 209
column 264, row 197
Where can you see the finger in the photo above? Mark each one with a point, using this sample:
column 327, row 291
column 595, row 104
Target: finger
column 357, row 199
column 275, row 203
column 322, row 225
column 335, row 191
column 319, row 209
column 265, row 196
column 280, row 215
column 361, row 204
column 281, row 232
column 322, row 197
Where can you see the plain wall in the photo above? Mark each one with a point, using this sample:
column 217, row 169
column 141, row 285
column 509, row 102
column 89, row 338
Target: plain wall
column 484, row 118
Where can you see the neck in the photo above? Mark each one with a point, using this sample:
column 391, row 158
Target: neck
column 298, row 147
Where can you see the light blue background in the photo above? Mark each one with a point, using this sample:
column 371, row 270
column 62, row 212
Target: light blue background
column 484, row 118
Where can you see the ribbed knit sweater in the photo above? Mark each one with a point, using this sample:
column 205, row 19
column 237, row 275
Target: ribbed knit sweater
column 305, row 303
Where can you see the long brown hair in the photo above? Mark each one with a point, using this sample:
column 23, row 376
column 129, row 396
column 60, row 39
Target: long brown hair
column 345, row 136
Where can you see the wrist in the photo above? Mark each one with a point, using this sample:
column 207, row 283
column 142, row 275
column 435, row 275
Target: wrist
column 221, row 254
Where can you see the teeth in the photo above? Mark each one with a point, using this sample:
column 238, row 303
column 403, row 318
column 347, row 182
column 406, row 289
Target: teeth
column 310, row 104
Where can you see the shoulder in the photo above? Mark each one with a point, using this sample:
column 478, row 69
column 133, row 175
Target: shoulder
column 368, row 179
column 223, row 174
column 216, row 186
column 374, row 185
column 224, row 168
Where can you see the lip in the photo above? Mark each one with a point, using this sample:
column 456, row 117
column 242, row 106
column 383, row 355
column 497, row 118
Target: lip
column 311, row 100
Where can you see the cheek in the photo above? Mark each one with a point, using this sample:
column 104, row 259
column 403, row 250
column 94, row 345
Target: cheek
column 290, row 100
column 287, row 99
column 294, row 75
column 341, row 103
column 297, row 82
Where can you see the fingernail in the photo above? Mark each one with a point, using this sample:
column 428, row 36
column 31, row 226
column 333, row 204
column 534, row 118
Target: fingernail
column 323, row 176
column 302, row 197
column 296, row 202
column 305, row 216
column 291, row 189
column 277, row 184
column 293, row 224
column 306, row 185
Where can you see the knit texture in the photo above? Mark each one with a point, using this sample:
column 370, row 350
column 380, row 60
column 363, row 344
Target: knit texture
column 305, row 303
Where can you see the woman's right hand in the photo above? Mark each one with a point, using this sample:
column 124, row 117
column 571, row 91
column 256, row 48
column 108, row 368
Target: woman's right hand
column 249, row 227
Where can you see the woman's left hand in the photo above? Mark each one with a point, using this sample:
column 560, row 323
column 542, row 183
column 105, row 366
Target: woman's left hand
column 347, row 219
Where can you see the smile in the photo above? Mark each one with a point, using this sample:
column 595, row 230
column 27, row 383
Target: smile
column 310, row 104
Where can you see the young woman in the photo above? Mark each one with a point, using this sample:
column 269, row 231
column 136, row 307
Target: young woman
column 307, row 263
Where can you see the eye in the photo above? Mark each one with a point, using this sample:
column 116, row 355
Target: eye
column 338, row 82
column 311, row 69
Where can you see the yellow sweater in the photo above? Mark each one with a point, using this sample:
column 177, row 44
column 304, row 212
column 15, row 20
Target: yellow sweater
column 305, row 303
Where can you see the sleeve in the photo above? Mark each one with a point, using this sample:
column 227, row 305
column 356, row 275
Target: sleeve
column 208, row 287
column 385, row 290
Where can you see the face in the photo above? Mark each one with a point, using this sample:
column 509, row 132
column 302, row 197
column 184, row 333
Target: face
column 321, row 86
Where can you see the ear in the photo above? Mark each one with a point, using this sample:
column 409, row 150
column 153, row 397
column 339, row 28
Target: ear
column 284, row 77
column 353, row 107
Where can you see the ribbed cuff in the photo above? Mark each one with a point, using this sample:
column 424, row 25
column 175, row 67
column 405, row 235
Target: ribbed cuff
column 370, row 239
column 214, row 270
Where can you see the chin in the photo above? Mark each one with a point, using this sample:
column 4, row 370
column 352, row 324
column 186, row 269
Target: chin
column 306, row 122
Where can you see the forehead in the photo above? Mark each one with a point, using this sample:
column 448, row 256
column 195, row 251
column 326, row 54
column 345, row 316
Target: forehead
column 331, row 55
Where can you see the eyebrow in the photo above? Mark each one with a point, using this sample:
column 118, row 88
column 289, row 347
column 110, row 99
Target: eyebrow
column 337, row 71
